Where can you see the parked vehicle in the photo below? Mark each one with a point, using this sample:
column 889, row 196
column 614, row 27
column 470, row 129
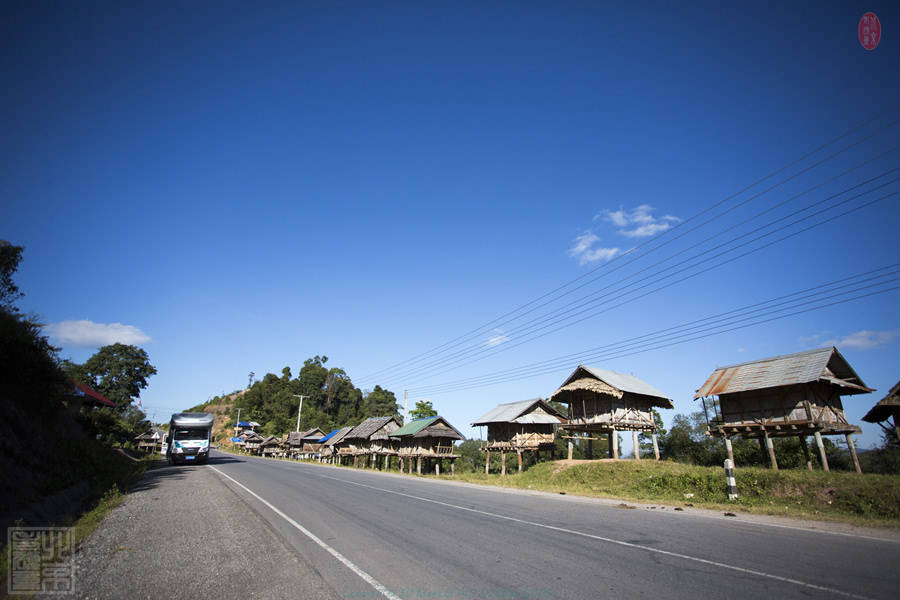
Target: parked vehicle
column 189, row 436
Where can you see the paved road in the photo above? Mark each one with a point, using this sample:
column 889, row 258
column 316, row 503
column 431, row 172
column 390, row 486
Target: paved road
column 371, row 535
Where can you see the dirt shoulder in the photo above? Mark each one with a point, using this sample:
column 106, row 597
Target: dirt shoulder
column 181, row 533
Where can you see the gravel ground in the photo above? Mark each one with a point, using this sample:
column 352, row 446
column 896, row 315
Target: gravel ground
column 182, row 533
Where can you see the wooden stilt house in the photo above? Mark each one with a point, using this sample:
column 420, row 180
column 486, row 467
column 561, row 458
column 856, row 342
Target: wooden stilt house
column 525, row 426
column 606, row 402
column 427, row 439
column 793, row 395
column 333, row 443
column 304, row 444
column 272, row 446
column 252, row 441
column 372, row 439
column 888, row 407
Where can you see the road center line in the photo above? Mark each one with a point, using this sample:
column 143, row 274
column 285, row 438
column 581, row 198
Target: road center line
column 343, row 559
column 704, row 561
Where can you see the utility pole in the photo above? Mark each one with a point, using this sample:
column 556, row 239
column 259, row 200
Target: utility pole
column 238, row 419
column 405, row 405
column 299, row 410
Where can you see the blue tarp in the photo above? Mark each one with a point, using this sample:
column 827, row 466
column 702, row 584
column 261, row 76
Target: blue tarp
column 327, row 437
column 242, row 424
column 236, row 440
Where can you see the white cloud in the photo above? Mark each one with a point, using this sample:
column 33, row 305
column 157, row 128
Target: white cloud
column 585, row 252
column 498, row 338
column 638, row 222
column 864, row 340
column 87, row 334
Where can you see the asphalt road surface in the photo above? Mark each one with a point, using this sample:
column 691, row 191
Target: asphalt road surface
column 375, row 535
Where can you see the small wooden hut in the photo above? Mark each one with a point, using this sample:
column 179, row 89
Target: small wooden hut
column 304, row 444
column 792, row 395
column 272, row 446
column 606, row 402
column 150, row 440
column 430, row 438
column 332, row 444
column 252, row 441
column 372, row 438
column 888, row 407
column 524, row 426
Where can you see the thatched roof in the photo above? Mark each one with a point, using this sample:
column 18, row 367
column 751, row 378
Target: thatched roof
column 885, row 407
column 374, row 428
column 610, row 383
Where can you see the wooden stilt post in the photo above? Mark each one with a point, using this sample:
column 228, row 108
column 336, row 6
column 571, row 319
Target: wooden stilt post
column 655, row 446
column 806, row 455
column 410, row 461
column 771, row 450
column 729, row 450
column 401, row 463
column 452, row 467
column 419, row 465
column 571, row 449
column 609, row 442
column 519, row 455
column 437, row 467
column 615, row 443
column 852, row 448
column 503, row 463
column 637, row 446
column 355, row 460
column 590, row 448
column 387, row 457
column 487, row 462
column 822, row 456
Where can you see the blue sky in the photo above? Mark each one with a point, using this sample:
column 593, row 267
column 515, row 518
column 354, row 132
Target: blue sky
column 237, row 188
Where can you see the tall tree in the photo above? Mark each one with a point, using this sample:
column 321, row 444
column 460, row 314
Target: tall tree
column 118, row 371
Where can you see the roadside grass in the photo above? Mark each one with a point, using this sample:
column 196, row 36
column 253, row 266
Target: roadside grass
column 864, row 499
column 116, row 476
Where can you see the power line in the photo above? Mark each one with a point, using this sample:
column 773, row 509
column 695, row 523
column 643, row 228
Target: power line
column 559, row 315
column 751, row 251
column 461, row 339
column 766, row 305
column 628, row 348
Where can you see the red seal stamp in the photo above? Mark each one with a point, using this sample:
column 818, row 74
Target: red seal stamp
column 869, row 31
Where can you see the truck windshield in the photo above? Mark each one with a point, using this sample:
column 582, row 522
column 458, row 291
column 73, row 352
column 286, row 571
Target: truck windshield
column 182, row 435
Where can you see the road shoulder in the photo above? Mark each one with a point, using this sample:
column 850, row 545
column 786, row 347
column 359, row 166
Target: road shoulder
column 182, row 533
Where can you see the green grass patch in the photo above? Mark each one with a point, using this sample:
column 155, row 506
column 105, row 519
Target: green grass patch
column 868, row 499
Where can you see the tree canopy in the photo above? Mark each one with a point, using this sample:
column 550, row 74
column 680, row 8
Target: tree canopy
column 422, row 410
column 118, row 371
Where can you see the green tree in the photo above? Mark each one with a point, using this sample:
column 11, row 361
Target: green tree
column 422, row 410
column 118, row 371
column 10, row 257
column 381, row 403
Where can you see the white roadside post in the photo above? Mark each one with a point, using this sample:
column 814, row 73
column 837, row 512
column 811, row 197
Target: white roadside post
column 730, row 483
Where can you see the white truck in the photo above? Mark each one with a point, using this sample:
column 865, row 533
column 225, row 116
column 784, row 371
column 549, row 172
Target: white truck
column 189, row 436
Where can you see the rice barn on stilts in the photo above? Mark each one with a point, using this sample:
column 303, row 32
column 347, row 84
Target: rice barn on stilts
column 603, row 402
column 795, row 395
column 371, row 439
column 333, row 443
column 888, row 407
column 524, row 426
column 429, row 439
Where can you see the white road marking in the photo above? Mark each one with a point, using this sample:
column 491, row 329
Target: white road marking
column 343, row 559
column 588, row 500
column 713, row 563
